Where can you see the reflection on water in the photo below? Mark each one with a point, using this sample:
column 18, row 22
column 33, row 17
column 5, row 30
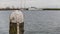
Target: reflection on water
column 36, row 22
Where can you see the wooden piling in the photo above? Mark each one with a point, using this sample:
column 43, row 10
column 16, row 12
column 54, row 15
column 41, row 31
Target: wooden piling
column 13, row 28
column 21, row 28
column 16, row 23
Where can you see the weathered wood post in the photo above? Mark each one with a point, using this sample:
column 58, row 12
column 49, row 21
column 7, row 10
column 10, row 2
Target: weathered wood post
column 16, row 23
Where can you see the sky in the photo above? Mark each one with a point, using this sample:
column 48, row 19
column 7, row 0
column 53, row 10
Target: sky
column 29, row 3
column 9, row 3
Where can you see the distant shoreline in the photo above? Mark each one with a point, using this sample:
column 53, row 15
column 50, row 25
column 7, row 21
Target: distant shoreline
column 51, row 9
column 29, row 9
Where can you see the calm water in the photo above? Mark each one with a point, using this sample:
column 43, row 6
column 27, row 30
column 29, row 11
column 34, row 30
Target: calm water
column 36, row 22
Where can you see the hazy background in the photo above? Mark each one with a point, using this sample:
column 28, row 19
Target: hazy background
column 29, row 3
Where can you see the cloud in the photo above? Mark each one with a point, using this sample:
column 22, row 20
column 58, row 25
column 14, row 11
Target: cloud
column 29, row 3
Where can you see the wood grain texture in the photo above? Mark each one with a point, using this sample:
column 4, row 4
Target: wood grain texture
column 13, row 28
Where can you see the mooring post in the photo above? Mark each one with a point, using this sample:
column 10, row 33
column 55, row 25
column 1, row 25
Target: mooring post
column 16, row 23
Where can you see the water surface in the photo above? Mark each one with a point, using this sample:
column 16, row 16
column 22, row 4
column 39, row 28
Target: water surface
column 35, row 22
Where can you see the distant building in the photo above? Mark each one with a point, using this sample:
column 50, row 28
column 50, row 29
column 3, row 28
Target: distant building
column 32, row 8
